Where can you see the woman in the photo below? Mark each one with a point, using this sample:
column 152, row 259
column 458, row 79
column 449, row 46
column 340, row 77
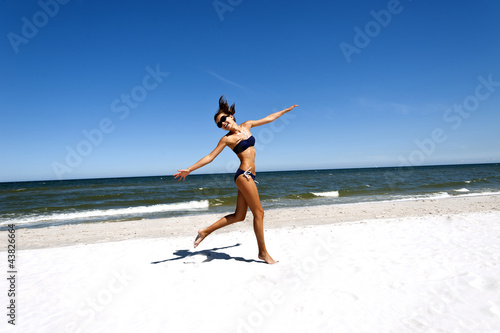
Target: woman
column 241, row 141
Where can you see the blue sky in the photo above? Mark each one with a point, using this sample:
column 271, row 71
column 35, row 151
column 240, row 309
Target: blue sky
column 129, row 88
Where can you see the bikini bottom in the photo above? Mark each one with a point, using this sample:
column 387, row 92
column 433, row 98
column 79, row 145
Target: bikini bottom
column 246, row 174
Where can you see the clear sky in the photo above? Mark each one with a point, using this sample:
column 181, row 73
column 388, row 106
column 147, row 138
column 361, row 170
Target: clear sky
column 129, row 88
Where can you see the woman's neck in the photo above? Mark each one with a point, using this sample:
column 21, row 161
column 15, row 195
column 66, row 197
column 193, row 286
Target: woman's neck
column 236, row 129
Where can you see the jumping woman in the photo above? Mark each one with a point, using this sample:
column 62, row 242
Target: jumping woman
column 241, row 141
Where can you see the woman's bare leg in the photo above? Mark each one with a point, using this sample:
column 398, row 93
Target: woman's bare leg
column 239, row 215
column 249, row 190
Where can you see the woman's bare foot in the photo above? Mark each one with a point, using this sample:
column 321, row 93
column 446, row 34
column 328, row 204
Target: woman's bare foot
column 267, row 258
column 199, row 238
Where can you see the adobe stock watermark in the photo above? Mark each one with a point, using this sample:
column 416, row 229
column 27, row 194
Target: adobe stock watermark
column 454, row 117
column 293, row 280
column 222, row 6
column 30, row 27
column 363, row 37
column 95, row 136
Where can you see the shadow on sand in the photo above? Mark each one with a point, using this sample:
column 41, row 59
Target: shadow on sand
column 210, row 254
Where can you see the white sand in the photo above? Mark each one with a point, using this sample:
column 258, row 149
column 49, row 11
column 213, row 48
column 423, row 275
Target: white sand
column 433, row 273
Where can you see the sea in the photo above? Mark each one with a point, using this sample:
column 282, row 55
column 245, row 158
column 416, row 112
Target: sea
column 38, row 204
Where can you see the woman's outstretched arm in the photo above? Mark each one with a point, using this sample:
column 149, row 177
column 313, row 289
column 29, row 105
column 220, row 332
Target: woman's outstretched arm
column 272, row 117
column 204, row 161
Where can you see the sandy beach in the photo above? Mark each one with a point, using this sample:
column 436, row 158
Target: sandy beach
column 406, row 266
column 277, row 218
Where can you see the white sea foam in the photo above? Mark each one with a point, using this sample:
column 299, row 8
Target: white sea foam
column 191, row 205
column 438, row 195
column 331, row 194
column 478, row 194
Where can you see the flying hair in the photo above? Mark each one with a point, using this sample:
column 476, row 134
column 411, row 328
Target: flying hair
column 225, row 109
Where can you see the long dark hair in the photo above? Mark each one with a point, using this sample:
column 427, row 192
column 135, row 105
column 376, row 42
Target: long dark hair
column 225, row 109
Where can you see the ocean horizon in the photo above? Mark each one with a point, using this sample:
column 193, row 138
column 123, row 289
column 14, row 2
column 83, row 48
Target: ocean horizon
column 32, row 204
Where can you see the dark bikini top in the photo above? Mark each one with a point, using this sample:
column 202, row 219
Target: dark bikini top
column 244, row 144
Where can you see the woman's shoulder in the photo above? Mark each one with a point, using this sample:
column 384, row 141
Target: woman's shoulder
column 227, row 138
column 247, row 124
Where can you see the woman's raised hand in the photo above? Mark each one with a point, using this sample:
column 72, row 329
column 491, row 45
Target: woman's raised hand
column 291, row 107
column 182, row 174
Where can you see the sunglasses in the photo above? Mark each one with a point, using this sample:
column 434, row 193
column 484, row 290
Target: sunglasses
column 222, row 119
